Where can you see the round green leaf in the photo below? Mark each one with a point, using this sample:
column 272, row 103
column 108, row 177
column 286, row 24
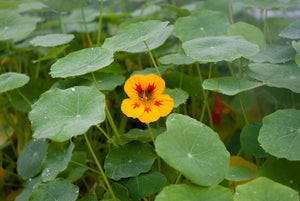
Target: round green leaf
column 177, row 59
column 201, row 24
column 88, row 197
column 76, row 16
column 230, row 85
column 120, row 192
column 31, row 6
column 82, row 62
column 274, row 54
column 31, row 182
column 250, row 32
column 268, row 4
column 214, row 49
column 193, row 149
column 153, row 42
column 57, row 159
column 12, row 80
column 74, row 171
column 61, row 5
column 281, row 171
column 31, row 157
column 296, row 46
column 277, row 75
column 249, row 141
column 15, row 26
column 266, row 190
column 106, row 81
column 280, row 134
column 144, row 185
column 134, row 33
column 239, row 173
column 55, row 190
column 129, row 160
column 61, row 114
column 52, row 40
column 179, row 96
column 292, row 31
column 194, row 193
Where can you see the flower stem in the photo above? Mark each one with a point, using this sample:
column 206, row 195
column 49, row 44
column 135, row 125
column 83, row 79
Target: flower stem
column 100, row 23
column 106, row 135
column 100, row 168
column 24, row 97
column 152, row 59
column 158, row 158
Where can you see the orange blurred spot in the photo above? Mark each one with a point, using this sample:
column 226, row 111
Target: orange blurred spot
column 220, row 108
column 1, row 171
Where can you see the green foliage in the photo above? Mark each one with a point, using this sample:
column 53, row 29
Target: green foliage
column 231, row 68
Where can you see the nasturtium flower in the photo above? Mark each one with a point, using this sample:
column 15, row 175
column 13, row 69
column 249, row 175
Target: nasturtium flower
column 146, row 101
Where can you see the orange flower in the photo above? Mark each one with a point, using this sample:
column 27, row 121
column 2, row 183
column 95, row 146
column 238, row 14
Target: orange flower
column 146, row 101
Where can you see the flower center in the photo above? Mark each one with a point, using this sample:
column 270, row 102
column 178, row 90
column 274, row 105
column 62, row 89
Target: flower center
column 146, row 95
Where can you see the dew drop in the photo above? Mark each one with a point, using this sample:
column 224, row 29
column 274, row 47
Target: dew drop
column 129, row 161
column 45, row 117
column 35, row 153
column 5, row 27
column 29, row 179
column 201, row 28
column 190, row 155
column 292, row 77
column 212, row 47
column 73, row 89
column 237, row 193
column 291, row 181
column 78, row 115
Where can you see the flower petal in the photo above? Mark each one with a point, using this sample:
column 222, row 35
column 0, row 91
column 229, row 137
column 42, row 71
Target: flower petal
column 164, row 103
column 133, row 86
column 150, row 114
column 132, row 108
column 153, row 83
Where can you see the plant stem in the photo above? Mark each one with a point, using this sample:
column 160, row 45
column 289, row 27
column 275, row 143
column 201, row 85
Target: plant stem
column 82, row 165
column 106, row 135
column 230, row 11
column 178, row 178
column 85, row 27
column 100, row 168
column 62, row 28
column 152, row 59
column 24, row 97
column 142, row 11
column 242, row 103
column 100, row 24
column 152, row 138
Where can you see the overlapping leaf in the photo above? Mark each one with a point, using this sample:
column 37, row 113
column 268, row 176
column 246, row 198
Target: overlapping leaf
column 52, row 40
column 12, row 80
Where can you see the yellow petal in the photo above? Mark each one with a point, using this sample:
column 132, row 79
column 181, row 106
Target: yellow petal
column 154, row 83
column 132, row 108
column 133, row 86
column 150, row 114
column 164, row 103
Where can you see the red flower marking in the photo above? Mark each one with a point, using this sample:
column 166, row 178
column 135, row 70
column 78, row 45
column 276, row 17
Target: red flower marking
column 138, row 87
column 151, row 87
column 135, row 105
column 147, row 109
column 158, row 103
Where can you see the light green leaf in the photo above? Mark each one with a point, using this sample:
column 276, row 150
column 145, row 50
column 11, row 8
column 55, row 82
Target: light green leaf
column 61, row 114
column 239, row 173
column 82, row 62
column 62, row 5
column 134, row 33
column 76, row 16
column 152, row 70
column 249, row 141
column 281, row 171
column 274, row 54
column 280, row 133
column 31, row 157
column 194, row 193
column 179, row 96
column 153, row 42
column 266, row 190
column 150, row 9
column 269, row 4
column 75, row 171
column 24, row 196
column 12, row 80
column 292, row 31
column 277, row 75
column 214, row 49
column 51, row 40
column 15, row 26
column 193, row 149
column 31, row 6
column 230, row 85
column 201, row 24
column 106, row 81
column 52, row 54
column 296, row 46
column 144, row 185
column 250, row 32
column 57, row 159
column 129, row 160
column 55, row 190
column 177, row 59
